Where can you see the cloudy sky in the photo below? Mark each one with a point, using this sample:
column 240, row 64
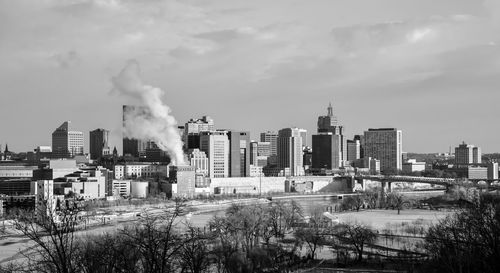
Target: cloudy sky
column 428, row 67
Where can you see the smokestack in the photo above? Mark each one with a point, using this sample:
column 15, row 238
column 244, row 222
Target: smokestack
column 156, row 123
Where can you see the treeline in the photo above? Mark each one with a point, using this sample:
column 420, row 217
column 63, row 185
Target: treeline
column 272, row 237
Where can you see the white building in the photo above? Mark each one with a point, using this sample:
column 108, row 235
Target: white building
column 121, row 187
column 215, row 144
column 139, row 189
column 413, row 166
column 290, row 151
column 199, row 160
column 256, row 171
column 66, row 143
column 45, row 202
column 138, row 170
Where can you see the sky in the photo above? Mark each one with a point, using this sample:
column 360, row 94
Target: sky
column 428, row 67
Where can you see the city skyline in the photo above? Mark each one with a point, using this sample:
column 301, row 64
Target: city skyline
column 419, row 66
column 117, row 143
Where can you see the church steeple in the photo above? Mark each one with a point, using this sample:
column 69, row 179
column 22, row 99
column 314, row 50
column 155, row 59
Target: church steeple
column 330, row 110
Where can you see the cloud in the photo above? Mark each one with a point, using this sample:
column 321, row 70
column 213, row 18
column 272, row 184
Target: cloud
column 418, row 35
column 66, row 60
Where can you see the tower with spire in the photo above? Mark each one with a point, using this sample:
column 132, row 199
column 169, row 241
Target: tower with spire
column 330, row 123
column 329, row 145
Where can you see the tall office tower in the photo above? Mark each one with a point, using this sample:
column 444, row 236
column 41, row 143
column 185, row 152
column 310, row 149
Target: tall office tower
column 215, row 144
column 476, row 155
column 271, row 137
column 99, row 143
column 466, row 154
column 386, row 145
column 303, row 134
column 66, row 143
column 330, row 124
column 199, row 160
column 492, row 171
column 192, row 130
column 353, row 150
column 326, row 151
column 254, row 152
column 361, row 139
column 290, row 151
column 239, row 149
column 131, row 146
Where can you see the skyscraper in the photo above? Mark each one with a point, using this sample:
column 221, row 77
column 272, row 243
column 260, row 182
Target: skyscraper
column 329, row 123
column 326, row 151
column 329, row 149
column 239, row 149
column 290, row 158
column 192, row 130
column 466, row 154
column 353, row 150
column 361, row 139
column 272, row 138
column 254, row 152
column 215, row 144
column 386, row 145
column 99, row 143
column 66, row 143
column 303, row 134
column 131, row 146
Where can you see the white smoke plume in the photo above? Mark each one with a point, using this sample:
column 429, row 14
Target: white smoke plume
column 153, row 121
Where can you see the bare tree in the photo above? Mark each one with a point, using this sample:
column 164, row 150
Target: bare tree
column 371, row 198
column 396, row 200
column 195, row 251
column 356, row 235
column 157, row 239
column 52, row 229
column 313, row 234
column 108, row 253
column 468, row 241
column 283, row 216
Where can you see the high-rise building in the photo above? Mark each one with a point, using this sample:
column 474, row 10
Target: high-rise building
column 215, row 144
column 492, row 171
column 329, row 146
column 199, row 160
column 466, row 154
column 99, row 143
column 353, row 150
column 290, row 151
column 386, row 145
column 192, row 130
column 330, row 123
column 66, row 143
column 254, row 152
column 476, row 155
column 260, row 153
column 272, row 138
column 131, row 146
column 239, row 154
column 303, row 134
column 326, row 151
column 361, row 139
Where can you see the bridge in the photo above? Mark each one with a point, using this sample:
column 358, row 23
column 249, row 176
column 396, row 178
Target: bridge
column 386, row 181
